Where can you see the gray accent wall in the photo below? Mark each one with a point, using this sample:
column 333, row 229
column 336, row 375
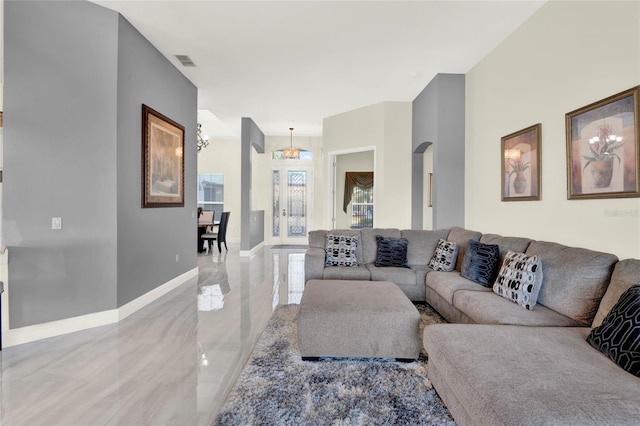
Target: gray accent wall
column 251, row 231
column 150, row 239
column 75, row 77
column 439, row 119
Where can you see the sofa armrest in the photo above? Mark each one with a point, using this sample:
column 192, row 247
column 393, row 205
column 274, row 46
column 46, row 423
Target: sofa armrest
column 314, row 264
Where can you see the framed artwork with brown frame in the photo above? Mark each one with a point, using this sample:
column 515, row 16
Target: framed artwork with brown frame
column 520, row 159
column 162, row 160
column 603, row 148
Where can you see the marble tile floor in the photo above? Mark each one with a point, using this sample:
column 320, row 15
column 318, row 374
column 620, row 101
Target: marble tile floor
column 171, row 363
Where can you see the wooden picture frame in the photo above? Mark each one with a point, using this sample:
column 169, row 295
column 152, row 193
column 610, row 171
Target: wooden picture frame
column 520, row 160
column 603, row 148
column 162, row 160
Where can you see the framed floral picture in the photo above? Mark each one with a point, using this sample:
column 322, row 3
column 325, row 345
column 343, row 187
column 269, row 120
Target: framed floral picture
column 603, row 148
column 520, row 159
column 162, row 160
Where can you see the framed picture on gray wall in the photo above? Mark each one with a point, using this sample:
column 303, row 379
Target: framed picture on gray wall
column 603, row 148
column 520, row 159
column 162, row 160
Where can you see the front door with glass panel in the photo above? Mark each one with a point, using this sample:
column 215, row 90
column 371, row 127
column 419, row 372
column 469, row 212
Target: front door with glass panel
column 292, row 210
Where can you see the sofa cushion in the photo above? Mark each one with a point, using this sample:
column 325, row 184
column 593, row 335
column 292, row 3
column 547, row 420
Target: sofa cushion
column 519, row 279
column 318, row 238
column 398, row 275
column 574, row 278
column 444, row 256
column 461, row 237
column 548, row 376
column 481, row 262
column 618, row 337
column 369, row 243
column 391, row 252
column 422, row 244
column 341, row 250
column 346, row 273
column 625, row 274
column 506, row 244
column 447, row 283
column 489, row 308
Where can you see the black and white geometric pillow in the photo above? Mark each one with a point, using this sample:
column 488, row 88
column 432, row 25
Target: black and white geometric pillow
column 520, row 279
column 340, row 250
column 444, row 256
column 619, row 335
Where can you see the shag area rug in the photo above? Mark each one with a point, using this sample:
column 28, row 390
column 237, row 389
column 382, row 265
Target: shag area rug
column 277, row 388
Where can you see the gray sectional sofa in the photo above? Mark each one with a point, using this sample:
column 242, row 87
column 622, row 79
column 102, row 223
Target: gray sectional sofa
column 498, row 363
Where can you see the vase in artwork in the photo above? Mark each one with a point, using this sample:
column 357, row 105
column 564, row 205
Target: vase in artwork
column 519, row 183
column 602, row 172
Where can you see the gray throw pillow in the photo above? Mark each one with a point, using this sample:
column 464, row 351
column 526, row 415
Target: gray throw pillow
column 520, row 279
column 444, row 256
column 340, row 250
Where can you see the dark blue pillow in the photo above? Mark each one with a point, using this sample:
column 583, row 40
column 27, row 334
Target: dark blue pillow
column 392, row 251
column 481, row 263
column 619, row 335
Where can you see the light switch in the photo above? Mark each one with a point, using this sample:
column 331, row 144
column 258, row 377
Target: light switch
column 56, row 223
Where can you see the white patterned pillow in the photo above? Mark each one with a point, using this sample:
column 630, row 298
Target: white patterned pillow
column 520, row 279
column 340, row 250
column 444, row 256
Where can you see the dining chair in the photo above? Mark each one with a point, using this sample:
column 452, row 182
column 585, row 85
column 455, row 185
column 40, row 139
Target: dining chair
column 221, row 235
column 205, row 224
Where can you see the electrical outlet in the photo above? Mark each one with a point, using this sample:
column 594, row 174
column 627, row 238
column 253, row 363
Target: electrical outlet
column 56, row 223
column 177, row 257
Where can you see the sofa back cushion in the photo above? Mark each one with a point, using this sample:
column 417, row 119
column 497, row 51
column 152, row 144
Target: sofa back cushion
column 461, row 237
column 318, row 239
column 422, row 244
column 625, row 275
column 575, row 279
column 506, row 244
column 369, row 243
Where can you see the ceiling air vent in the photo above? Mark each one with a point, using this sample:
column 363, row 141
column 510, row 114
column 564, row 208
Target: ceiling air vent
column 185, row 60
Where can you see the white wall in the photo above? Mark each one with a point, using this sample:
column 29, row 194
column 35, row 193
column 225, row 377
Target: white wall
column 223, row 156
column 387, row 128
column 355, row 162
column 567, row 55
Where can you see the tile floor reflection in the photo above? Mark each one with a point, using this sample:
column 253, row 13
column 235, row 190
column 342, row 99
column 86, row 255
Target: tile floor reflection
column 173, row 362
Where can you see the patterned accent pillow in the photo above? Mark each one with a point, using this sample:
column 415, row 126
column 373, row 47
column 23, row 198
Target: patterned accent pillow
column 392, row 251
column 520, row 279
column 444, row 256
column 481, row 262
column 340, row 250
column 619, row 335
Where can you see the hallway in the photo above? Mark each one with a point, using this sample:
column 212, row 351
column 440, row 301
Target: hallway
column 172, row 362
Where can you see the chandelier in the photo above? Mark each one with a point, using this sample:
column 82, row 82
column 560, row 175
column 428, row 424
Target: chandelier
column 291, row 152
column 203, row 141
column 606, row 135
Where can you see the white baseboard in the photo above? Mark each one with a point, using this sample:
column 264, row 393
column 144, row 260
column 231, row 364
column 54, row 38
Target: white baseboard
column 18, row 336
column 249, row 253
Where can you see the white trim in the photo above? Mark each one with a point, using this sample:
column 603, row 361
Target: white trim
column 252, row 252
column 18, row 336
column 136, row 304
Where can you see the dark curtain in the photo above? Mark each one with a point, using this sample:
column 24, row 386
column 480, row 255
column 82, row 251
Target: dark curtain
column 362, row 180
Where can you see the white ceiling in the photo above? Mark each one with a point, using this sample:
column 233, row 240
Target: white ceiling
column 293, row 63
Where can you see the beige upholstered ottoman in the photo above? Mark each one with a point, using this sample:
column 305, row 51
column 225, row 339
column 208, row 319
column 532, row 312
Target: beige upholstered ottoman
column 372, row 319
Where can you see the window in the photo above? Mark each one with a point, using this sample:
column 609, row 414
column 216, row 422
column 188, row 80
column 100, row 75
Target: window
column 362, row 208
column 211, row 193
